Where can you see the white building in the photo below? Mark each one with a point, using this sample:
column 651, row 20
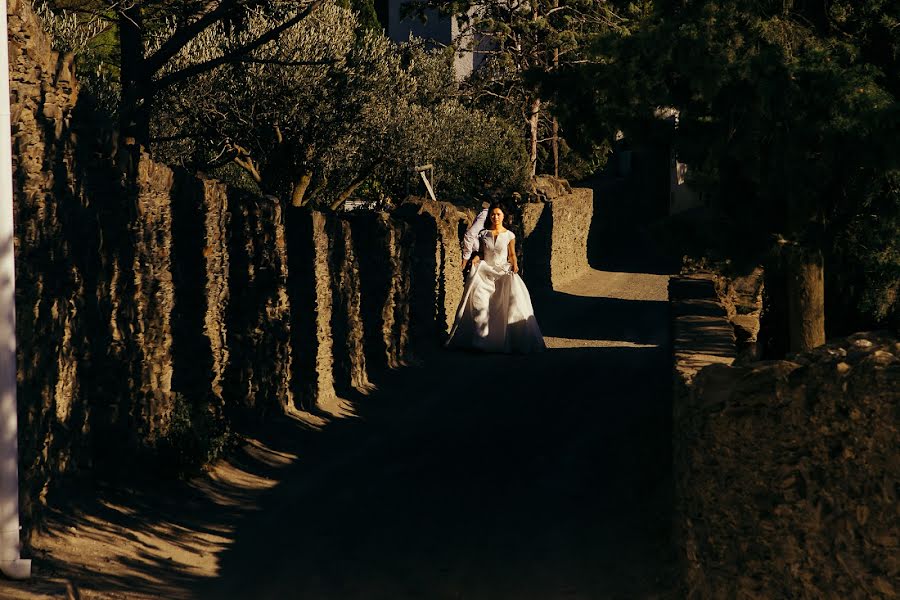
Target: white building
column 438, row 32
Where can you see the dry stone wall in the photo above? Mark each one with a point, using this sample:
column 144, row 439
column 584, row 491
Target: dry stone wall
column 369, row 291
column 258, row 374
column 385, row 283
column 200, row 277
column 154, row 297
column 787, row 474
column 57, row 300
column 157, row 307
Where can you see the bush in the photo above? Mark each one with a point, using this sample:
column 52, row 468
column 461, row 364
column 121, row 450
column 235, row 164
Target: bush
column 194, row 437
column 863, row 269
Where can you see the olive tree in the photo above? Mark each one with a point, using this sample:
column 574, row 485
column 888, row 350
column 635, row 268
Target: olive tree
column 326, row 108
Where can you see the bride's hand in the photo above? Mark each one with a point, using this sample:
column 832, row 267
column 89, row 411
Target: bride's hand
column 475, row 261
column 515, row 269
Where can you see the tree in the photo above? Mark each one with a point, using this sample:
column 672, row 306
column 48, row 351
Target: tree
column 312, row 114
column 284, row 112
column 150, row 33
column 789, row 111
column 525, row 42
column 327, row 108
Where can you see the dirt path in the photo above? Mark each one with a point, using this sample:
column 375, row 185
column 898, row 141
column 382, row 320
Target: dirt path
column 471, row 476
column 488, row 476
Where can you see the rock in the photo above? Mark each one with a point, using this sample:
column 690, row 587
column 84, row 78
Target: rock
column 549, row 188
column 746, row 328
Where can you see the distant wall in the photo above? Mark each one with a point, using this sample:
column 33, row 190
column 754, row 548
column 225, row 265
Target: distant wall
column 701, row 332
column 437, row 31
column 369, row 291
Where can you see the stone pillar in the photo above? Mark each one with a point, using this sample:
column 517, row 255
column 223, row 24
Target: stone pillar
column 154, row 296
column 258, row 319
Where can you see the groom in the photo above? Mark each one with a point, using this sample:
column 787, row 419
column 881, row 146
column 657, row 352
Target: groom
column 470, row 238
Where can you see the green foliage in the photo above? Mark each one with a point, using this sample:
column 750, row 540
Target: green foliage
column 365, row 13
column 578, row 162
column 788, row 120
column 529, row 46
column 326, row 109
column 292, row 107
column 194, row 437
column 866, row 256
column 69, row 31
column 93, row 40
column 473, row 154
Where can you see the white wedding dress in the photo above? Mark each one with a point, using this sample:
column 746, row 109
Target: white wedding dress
column 495, row 314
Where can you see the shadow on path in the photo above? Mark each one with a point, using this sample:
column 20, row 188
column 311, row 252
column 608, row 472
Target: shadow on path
column 468, row 477
column 621, row 238
column 481, row 476
column 569, row 316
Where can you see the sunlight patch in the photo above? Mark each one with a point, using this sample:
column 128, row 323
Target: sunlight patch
column 558, row 342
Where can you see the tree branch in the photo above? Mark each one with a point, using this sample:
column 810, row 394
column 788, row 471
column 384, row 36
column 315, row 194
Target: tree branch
column 352, row 188
column 180, row 38
column 273, row 34
column 299, row 191
column 242, row 158
column 286, row 63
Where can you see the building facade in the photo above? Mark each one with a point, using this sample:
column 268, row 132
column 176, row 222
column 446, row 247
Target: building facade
column 436, row 31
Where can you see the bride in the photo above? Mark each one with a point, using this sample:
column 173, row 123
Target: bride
column 495, row 314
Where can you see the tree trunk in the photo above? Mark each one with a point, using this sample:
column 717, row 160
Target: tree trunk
column 135, row 109
column 298, row 195
column 533, row 121
column 806, row 298
column 555, row 122
column 354, row 185
column 555, row 147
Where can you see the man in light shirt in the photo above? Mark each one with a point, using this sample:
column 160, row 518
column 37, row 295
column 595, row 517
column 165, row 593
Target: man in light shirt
column 470, row 238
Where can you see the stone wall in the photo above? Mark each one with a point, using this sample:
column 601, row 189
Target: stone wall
column 258, row 317
column 154, row 304
column 154, row 297
column 157, row 308
column 787, row 475
column 554, row 248
column 702, row 335
column 63, row 311
column 786, row 472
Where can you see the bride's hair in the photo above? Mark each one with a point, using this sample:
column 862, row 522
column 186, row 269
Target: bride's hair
column 497, row 205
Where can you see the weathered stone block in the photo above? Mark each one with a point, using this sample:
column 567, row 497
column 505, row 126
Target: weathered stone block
column 555, row 241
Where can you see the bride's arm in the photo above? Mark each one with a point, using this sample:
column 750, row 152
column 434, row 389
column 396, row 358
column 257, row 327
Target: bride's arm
column 479, row 250
column 512, row 256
